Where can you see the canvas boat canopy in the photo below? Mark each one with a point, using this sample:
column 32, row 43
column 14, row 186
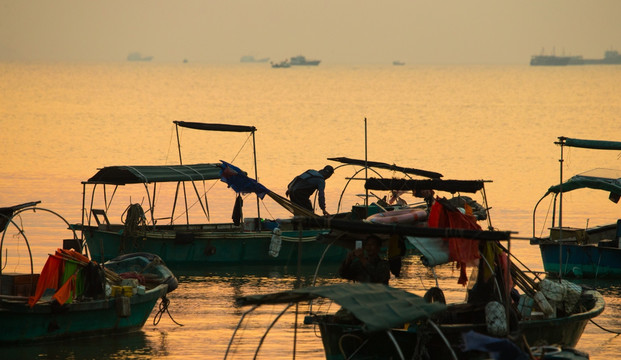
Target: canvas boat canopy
column 381, row 165
column 452, row 186
column 590, row 144
column 215, row 127
column 598, row 179
column 6, row 213
column 378, row 306
column 121, row 175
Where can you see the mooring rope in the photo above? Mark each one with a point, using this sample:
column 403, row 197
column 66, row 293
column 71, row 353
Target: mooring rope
column 601, row 327
column 163, row 308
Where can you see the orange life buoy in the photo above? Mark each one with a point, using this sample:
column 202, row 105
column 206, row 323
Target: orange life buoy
column 398, row 216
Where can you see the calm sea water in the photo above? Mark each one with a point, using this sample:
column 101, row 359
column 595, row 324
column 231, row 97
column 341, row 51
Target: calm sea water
column 60, row 122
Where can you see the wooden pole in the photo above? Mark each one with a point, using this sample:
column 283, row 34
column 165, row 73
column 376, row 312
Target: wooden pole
column 366, row 168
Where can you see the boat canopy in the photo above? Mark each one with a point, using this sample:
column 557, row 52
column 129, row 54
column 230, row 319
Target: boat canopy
column 381, row 165
column 598, row 179
column 590, row 144
column 215, row 127
column 452, row 186
column 378, row 306
column 121, row 175
column 6, row 213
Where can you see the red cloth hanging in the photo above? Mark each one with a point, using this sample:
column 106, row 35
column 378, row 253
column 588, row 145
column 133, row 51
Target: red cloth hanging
column 463, row 251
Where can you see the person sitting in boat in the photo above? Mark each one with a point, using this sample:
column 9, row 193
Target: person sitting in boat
column 304, row 185
column 365, row 264
column 427, row 195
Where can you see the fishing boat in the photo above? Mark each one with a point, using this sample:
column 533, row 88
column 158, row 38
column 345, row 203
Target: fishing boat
column 303, row 61
column 377, row 321
column 281, row 64
column 193, row 241
column 403, row 200
column 148, row 268
column 590, row 251
column 72, row 296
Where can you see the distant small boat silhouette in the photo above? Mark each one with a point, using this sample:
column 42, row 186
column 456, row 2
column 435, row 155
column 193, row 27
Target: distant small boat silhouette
column 136, row 56
column 396, row 62
column 250, row 58
column 282, row 64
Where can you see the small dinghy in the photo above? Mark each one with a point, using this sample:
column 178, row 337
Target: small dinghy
column 149, row 269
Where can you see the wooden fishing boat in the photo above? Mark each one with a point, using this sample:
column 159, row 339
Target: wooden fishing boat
column 150, row 269
column 407, row 201
column 72, row 296
column 587, row 252
column 380, row 322
column 193, row 241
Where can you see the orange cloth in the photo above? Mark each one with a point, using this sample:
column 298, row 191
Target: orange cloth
column 52, row 276
column 48, row 279
column 65, row 292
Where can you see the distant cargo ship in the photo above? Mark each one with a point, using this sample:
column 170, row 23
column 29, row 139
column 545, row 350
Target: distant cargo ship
column 611, row 57
column 549, row 60
column 301, row 60
column 136, row 56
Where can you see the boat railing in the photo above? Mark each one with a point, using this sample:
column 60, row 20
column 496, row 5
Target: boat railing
column 7, row 219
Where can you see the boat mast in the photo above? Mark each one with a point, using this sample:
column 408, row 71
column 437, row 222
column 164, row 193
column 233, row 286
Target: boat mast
column 366, row 168
column 560, row 211
column 185, row 197
column 256, row 171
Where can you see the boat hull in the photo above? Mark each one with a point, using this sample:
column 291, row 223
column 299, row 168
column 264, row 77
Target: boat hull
column 306, row 63
column 549, row 60
column 347, row 341
column 200, row 248
column 581, row 261
column 44, row 321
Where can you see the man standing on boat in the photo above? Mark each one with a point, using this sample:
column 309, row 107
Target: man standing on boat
column 304, row 185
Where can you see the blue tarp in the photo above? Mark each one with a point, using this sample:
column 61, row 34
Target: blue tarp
column 237, row 180
column 498, row 348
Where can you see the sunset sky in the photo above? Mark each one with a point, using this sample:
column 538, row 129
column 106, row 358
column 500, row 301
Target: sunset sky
column 335, row 31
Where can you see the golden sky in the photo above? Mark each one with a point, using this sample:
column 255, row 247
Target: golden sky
column 335, row 31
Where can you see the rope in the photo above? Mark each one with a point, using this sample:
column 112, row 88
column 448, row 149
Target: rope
column 134, row 219
column 163, row 308
column 599, row 326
